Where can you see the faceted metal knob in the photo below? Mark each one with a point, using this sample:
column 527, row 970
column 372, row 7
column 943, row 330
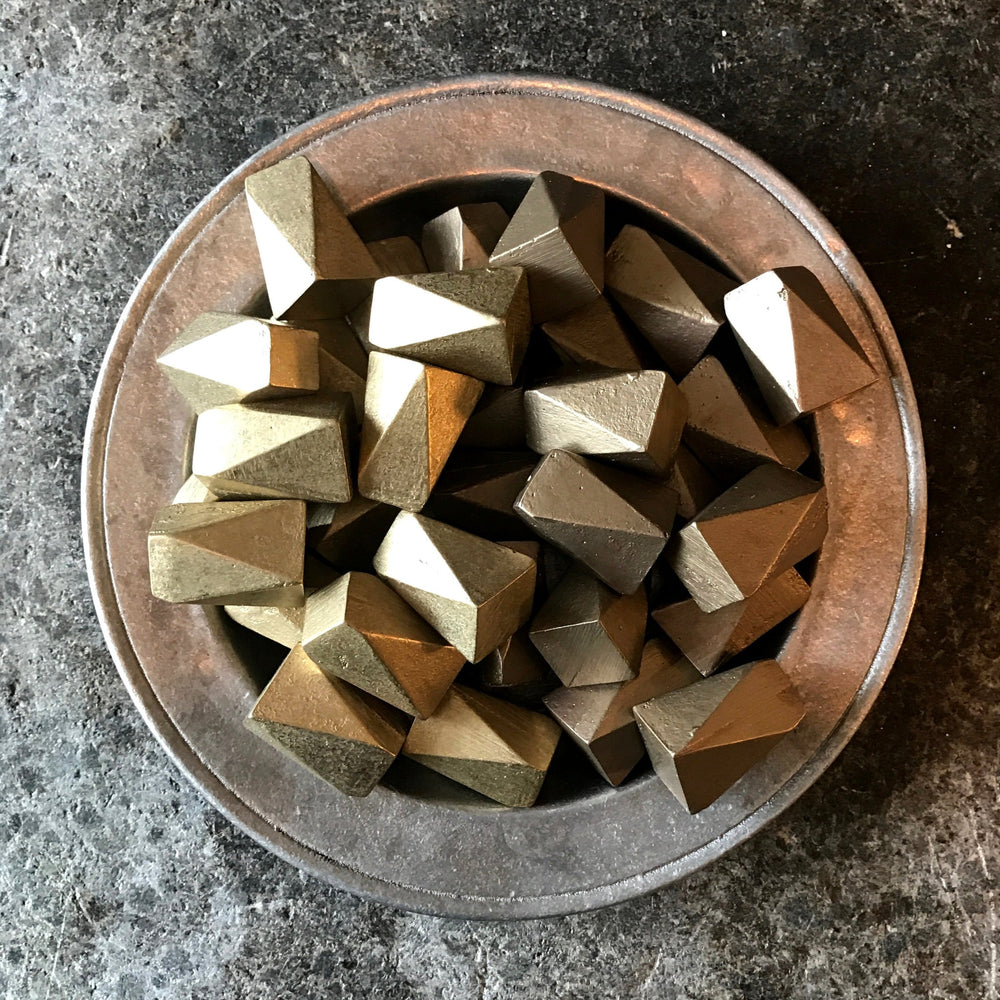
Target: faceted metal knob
column 222, row 358
column 799, row 348
column 674, row 299
column 475, row 322
column 588, row 634
column 709, row 639
column 228, row 553
column 463, row 238
column 500, row 750
column 339, row 733
column 599, row 717
column 592, row 337
column 704, row 737
column 631, row 418
column 557, row 236
column 414, row 414
column 360, row 630
column 315, row 265
column 616, row 524
column 347, row 534
column 293, row 448
column 728, row 431
column 476, row 593
column 770, row 520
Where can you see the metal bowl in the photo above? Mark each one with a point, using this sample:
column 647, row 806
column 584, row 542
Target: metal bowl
column 411, row 844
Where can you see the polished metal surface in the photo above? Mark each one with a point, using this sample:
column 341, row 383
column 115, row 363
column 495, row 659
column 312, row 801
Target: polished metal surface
column 360, row 630
column 599, row 719
column 343, row 362
column 500, row 750
column 632, row 418
column 703, row 737
column 228, row 553
column 674, row 299
column 564, row 855
column 414, row 414
column 314, row 263
column 710, row 638
column 341, row 734
column 615, row 523
column 728, row 430
column 474, row 322
column 280, row 625
column 557, row 236
column 475, row 592
column 463, row 237
column 695, row 486
column 224, row 358
column 764, row 524
column 587, row 633
column 193, row 490
column 293, row 449
column 801, row 352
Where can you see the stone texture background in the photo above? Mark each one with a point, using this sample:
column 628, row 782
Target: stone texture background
column 116, row 881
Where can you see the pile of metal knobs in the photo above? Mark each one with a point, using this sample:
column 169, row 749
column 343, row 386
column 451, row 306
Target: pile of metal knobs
column 454, row 476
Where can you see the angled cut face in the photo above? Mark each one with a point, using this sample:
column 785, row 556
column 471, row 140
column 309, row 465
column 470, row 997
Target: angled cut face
column 498, row 749
column 709, row 639
column 474, row 322
column 557, row 236
column 770, row 520
column 674, row 299
column 728, row 431
column 632, row 418
column 704, row 737
column 360, row 630
column 463, row 237
column 246, row 553
column 598, row 718
column 315, row 265
column 223, row 358
column 414, row 414
column 801, row 352
column 338, row 732
column 476, row 593
column 569, row 502
column 589, row 634
column 289, row 449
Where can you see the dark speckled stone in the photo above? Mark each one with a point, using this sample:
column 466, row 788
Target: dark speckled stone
column 116, row 880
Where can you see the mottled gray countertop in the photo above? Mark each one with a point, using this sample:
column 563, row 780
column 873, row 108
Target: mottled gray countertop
column 117, row 880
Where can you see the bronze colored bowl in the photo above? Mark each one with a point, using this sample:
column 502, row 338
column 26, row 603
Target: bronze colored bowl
column 414, row 843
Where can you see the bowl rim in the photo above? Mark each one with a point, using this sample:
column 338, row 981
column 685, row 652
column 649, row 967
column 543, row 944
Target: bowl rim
column 186, row 757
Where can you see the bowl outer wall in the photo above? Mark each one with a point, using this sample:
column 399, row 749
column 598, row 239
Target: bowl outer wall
column 187, row 680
